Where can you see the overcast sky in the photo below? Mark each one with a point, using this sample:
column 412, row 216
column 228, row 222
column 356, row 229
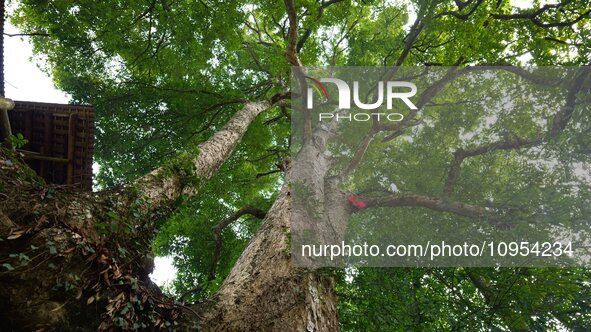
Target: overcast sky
column 22, row 79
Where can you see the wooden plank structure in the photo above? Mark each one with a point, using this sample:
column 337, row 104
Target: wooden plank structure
column 61, row 139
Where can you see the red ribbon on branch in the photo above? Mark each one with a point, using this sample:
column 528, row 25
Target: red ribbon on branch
column 358, row 203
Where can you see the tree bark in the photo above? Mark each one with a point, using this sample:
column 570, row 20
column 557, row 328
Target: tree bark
column 266, row 292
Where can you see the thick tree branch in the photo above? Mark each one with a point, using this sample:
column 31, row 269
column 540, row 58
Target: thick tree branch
column 411, row 38
column 527, row 74
column 563, row 116
column 161, row 187
column 292, row 35
column 533, row 17
column 461, row 154
column 459, row 208
column 217, row 234
column 291, row 54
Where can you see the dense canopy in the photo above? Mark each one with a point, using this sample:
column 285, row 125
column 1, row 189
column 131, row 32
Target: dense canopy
column 166, row 75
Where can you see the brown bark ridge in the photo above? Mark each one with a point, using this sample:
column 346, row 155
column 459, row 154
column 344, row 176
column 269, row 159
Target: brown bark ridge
column 265, row 292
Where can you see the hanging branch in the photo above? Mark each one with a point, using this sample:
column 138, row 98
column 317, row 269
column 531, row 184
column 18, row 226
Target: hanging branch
column 460, row 155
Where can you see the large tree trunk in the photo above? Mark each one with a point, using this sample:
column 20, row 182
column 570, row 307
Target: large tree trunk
column 73, row 259
column 77, row 261
column 267, row 290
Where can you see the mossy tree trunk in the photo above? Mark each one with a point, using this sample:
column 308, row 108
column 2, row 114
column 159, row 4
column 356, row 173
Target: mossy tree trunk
column 80, row 261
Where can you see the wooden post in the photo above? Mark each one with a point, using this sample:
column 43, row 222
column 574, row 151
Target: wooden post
column 6, row 105
column 72, row 122
column 28, row 155
column 45, row 147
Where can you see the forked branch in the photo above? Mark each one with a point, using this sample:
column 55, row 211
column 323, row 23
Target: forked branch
column 558, row 125
column 217, row 234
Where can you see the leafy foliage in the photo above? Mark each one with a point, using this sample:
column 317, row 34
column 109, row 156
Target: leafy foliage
column 165, row 75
